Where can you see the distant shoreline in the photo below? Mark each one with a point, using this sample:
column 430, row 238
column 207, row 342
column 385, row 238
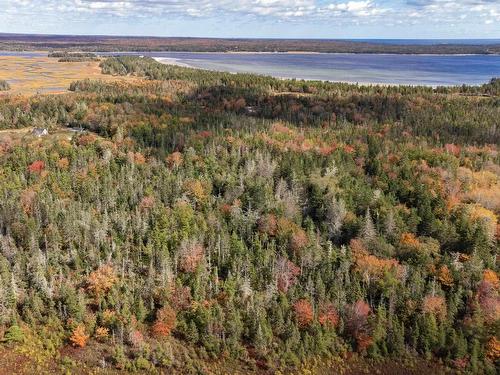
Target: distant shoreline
column 3, row 52
column 310, row 53
column 85, row 43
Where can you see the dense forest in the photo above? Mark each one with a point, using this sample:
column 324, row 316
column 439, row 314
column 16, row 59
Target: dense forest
column 97, row 43
column 65, row 56
column 204, row 222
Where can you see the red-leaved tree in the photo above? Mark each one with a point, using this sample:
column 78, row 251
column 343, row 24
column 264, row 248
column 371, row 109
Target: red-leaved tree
column 303, row 312
column 165, row 321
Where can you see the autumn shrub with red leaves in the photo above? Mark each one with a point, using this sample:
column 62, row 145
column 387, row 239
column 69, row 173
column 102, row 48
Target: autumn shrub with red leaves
column 136, row 338
column 86, row 139
column 349, row 149
column 37, row 166
column 205, row 134
column 452, row 149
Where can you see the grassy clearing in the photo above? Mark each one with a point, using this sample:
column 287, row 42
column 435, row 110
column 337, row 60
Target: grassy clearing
column 13, row 137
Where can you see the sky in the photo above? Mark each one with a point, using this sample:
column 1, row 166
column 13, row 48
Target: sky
column 413, row 19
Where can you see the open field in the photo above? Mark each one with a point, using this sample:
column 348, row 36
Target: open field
column 33, row 75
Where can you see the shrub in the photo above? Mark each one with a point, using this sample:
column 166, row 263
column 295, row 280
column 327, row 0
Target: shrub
column 36, row 167
column 13, row 334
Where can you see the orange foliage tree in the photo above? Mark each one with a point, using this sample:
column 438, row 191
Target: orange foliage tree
column 196, row 189
column 174, row 160
column 165, row 321
column 371, row 266
column 79, row 338
column 298, row 240
column 409, row 239
column 27, row 198
column 147, row 203
column 493, row 349
column 101, row 333
column 444, row 276
column 328, row 315
column 491, row 277
column 435, row 305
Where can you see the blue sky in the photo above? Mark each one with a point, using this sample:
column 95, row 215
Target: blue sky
column 256, row 18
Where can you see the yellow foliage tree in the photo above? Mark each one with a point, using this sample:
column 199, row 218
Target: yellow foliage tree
column 101, row 280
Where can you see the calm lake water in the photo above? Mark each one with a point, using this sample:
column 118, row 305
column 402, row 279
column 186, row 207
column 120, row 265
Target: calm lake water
column 432, row 70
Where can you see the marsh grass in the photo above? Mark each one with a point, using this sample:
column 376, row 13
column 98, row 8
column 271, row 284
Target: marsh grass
column 41, row 75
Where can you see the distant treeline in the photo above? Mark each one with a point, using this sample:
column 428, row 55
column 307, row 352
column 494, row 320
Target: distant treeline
column 66, row 56
column 105, row 43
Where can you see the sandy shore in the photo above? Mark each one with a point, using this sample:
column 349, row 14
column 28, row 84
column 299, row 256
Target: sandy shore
column 172, row 61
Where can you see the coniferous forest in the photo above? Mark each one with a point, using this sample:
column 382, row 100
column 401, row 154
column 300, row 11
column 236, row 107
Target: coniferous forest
column 198, row 222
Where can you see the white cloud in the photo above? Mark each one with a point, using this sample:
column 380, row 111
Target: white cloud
column 345, row 12
column 202, row 8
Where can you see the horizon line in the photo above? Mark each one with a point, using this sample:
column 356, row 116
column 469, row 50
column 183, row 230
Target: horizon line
column 239, row 38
